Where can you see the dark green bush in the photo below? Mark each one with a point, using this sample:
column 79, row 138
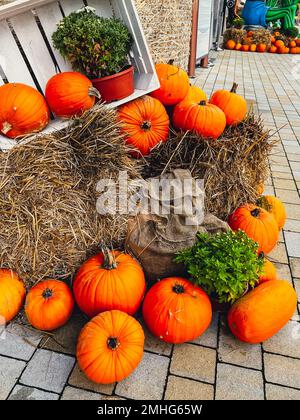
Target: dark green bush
column 94, row 45
column 292, row 32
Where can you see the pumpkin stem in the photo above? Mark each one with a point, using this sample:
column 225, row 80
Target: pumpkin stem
column 47, row 294
column 255, row 212
column 6, row 127
column 202, row 103
column 234, row 88
column 113, row 343
column 262, row 255
column 146, row 125
column 94, row 92
column 178, row 288
column 171, row 62
column 109, row 262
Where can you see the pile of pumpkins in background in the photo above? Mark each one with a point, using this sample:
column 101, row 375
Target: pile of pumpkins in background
column 111, row 287
column 278, row 44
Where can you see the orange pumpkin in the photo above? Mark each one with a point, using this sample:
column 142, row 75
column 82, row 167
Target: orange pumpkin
column 273, row 49
column 261, row 48
column 204, row 119
column 110, row 347
column 250, row 34
column 194, row 95
column 298, row 42
column 294, row 50
column 70, row 94
column 253, row 48
column 238, row 46
column 276, row 34
column 260, row 314
column 258, row 224
column 12, row 295
column 269, row 271
column 245, row 48
column 273, row 39
column 233, row 105
column 293, row 44
column 174, row 84
column 177, row 311
column 108, row 281
column 230, row 45
column 279, row 44
column 274, row 206
column 23, row 110
column 145, row 123
column 49, row 305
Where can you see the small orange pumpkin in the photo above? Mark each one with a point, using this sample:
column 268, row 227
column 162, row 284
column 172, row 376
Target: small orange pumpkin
column 261, row 48
column 274, row 206
column 273, row 39
column 298, row 42
column 238, row 46
column 245, row 47
column 258, row 224
column 177, row 311
column 23, row 110
column 110, row 347
column 294, row 50
column 174, row 84
column 230, row 45
column 253, row 48
column 70, row 94
column 250, row 34
column 194, row 95
column 279, row 44
column 269, row 271
column 108, row 281
column 49, row 305
column 204, row 119
column 293, row 44
column 12, row 295
column 233, row 105
column 264, row 311
column 145, row 123
column 273, row 49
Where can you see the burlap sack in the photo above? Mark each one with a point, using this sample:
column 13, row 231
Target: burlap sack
column 155, row 239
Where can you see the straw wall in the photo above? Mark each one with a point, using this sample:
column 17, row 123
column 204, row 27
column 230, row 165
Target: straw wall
column 167, row 26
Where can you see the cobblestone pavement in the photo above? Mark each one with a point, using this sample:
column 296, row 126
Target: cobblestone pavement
column 215, row 366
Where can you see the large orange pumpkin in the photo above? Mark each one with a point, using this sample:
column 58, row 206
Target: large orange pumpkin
column 258, row 224
column 145, row 123
column 174, row 84
column 204, row 119
column 274, row 206
column 260, row 314
column 177, row 311
column 108, row 281
column 110, row 347
column 23, row 110
column 233, row 105
column 49, row 305
column 70, row 94
column 12, row 295
column 269, row 272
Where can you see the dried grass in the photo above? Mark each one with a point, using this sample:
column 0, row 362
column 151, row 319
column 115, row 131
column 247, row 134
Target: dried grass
column 237, row 35
column 49, row 224
column 232, row 167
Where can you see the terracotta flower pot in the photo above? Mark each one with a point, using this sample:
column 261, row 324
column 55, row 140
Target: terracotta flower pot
column 115, row 87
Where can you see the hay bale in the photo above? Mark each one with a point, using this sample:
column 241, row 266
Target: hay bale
column 49, row 224
column 232, row 167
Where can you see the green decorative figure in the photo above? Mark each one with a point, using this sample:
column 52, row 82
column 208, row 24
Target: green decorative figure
column 261, row 12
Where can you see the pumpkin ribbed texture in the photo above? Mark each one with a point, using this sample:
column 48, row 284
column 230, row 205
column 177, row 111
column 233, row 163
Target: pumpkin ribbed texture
column 12, row 295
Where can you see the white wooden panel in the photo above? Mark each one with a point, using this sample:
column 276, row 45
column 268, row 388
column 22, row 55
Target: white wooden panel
column 19, row 6
column 13, row 63
column 34, row 47
column 50, row 15
column 70, row 6
column 103, row 8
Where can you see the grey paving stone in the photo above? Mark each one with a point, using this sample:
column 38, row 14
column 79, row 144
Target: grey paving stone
column 292, row 225
column 282, row 370
column 186, row 389
column 147, row 381
column 295, row 267
column 19, row 342
column 286, row 341
column 293, row 244
column 293, row 211
column 276, row 392
column 48, row 370
column 279, row 254
column 297, row 287
column 10, row 370
column 21, row 393
column 235, row 352
column 210, row 337
column 79, row 380
column 283, row 272
column 236, row 383
column 194, row 362
column 70, row 393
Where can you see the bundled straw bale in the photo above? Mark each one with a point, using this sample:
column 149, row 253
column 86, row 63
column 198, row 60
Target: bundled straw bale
column 49, row 223
column 232, row 167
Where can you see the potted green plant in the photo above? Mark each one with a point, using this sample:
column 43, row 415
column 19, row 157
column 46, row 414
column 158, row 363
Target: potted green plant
column 225, row 265
column 99, row 48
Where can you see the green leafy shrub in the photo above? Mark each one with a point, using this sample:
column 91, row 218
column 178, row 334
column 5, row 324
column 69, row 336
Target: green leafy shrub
column 224, row 265
column 292, row 32
column 94, row 45
column 238, row 23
